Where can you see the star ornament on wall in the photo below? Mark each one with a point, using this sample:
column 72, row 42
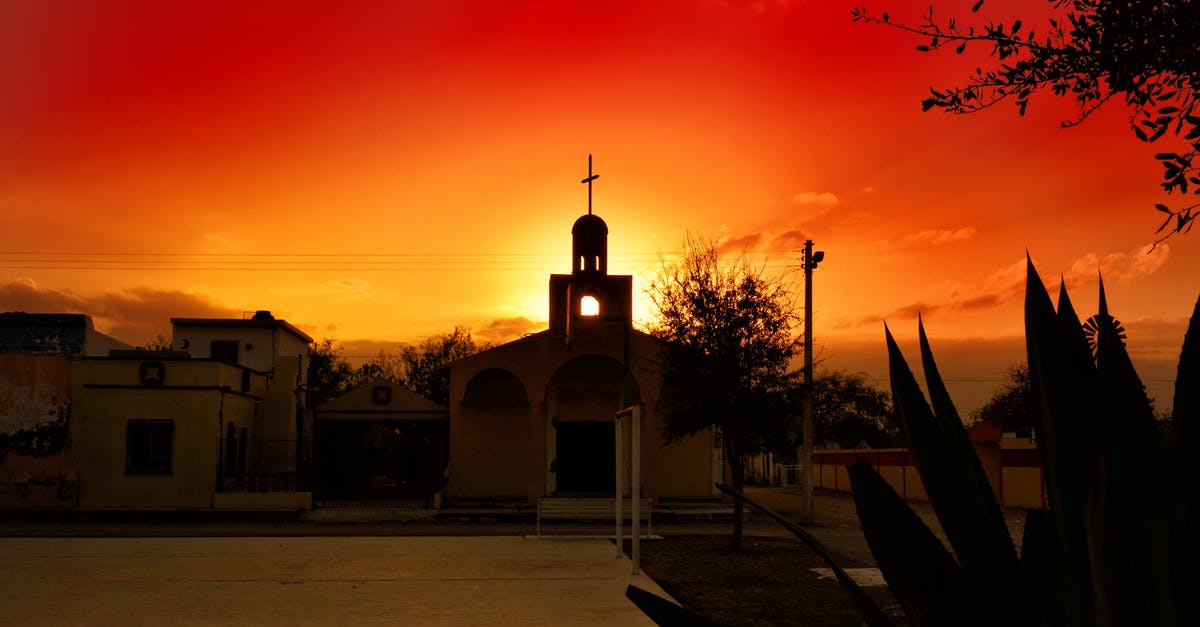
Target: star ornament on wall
column 381, row 394
column 151, row 373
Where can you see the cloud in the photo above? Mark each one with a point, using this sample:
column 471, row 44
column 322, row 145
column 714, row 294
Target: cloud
column 358, row 351
column 812, row 205
column 765, row 241
column 999, row 287
column 789, row 240
column 134, row 315
column 739, row 244
column 1120, row 266
column 504, row 330
column 1156, row 338
column 1008, row 283
column 819, row 199
column 941, row 236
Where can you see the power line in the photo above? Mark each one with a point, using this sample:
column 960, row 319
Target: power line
column 211, row 261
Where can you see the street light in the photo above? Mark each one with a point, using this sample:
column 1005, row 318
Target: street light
column 811, row 259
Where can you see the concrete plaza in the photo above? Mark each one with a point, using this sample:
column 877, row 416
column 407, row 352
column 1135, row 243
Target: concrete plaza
column 316, row 580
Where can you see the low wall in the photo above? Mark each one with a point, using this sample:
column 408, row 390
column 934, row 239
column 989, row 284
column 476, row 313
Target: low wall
column 1012, row 466
column 262, row 500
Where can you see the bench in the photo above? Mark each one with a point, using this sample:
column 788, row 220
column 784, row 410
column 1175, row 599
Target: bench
column 556, row 508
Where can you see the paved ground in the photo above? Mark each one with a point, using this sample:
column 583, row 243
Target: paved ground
column 316, row 580
column 358, row 567
column 836, row 520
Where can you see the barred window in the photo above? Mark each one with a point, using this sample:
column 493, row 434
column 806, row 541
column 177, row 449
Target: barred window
column 225, row 350
column 148, row 447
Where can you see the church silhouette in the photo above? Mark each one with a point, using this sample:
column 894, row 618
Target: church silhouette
column 535, row 417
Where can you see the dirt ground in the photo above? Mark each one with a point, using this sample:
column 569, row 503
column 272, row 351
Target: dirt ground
column 768, row 582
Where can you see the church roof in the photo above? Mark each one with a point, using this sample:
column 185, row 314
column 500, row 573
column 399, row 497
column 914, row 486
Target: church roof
column 381, row 400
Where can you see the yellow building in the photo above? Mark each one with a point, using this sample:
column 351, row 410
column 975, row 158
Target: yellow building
column 261, row 343
column 147, row 429
column 535, row 417
column 87, row 422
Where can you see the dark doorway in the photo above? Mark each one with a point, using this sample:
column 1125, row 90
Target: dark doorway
column 585, row 460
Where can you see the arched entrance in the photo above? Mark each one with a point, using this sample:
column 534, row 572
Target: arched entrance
column 581, row 398
column 495, row 427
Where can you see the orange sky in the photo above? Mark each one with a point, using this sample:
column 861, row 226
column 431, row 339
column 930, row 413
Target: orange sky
column 384, row 171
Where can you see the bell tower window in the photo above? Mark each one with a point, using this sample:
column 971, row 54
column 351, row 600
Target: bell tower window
column 589, row 306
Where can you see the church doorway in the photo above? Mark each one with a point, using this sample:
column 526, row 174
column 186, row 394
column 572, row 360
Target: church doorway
column 586, row 452
column 582, row 399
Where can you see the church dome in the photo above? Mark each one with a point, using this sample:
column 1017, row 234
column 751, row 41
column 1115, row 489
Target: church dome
column 589, row 245
column 589, row 224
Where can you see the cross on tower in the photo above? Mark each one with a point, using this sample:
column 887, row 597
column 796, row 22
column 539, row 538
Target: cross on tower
column 591, row 177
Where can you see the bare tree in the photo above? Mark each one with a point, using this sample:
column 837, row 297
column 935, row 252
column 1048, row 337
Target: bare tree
column 728, row 341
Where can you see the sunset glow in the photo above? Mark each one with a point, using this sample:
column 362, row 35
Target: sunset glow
column 377, row 172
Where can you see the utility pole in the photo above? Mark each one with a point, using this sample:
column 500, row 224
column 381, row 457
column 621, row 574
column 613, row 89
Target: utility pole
column 811, row 260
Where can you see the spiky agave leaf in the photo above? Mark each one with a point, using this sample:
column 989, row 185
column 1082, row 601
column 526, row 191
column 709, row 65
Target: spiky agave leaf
column 921, row 573
column 1128, row 529
column 969, row 514
column 1185, row 422
column 1185, row 472
column 664, row 612
column 1040, row 568
column 1062, row 386
column 960, row 495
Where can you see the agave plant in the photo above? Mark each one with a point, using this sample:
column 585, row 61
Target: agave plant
column 1119, row 539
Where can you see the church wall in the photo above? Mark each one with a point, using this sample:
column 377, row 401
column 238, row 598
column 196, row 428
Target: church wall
column 493, row 449
column 685, row 469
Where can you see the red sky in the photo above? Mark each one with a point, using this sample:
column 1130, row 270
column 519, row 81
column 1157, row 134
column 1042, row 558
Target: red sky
column 378, row 172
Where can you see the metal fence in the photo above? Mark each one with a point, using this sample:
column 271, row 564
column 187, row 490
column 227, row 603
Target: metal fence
column 258, row 465
column 415, row 501
column 791, row 475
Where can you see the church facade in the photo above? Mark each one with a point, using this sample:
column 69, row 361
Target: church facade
column 535, row 417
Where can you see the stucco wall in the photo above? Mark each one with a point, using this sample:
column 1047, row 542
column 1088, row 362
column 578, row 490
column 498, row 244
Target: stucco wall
column 34, row 401
column 684, row 469
column 526, row 447
column 36, row 466
column 1015, row 473
column 277, row 419
column 495, row 460
column 197, row 410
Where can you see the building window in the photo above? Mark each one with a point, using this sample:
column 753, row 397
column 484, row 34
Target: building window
column 225, row 350
column 148, row 447
column 589, row 306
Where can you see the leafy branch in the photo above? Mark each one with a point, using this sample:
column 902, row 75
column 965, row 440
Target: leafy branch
column 1147, row 53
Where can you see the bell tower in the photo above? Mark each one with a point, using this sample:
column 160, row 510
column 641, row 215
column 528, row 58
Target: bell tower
column 589, row 246
column 589, row 294
column 589, row 237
